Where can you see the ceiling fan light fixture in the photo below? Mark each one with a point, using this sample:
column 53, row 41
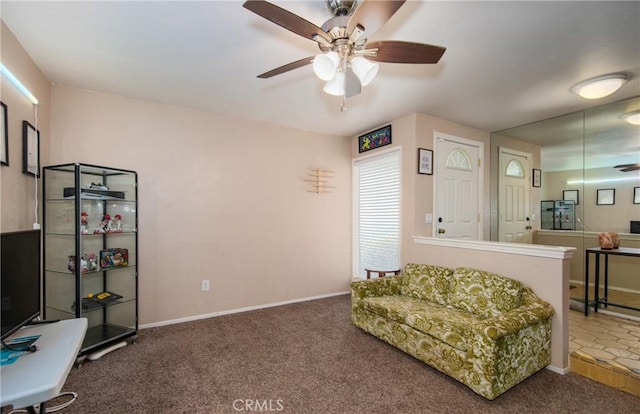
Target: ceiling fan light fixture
column 325, row 65
column 365, row 70
column 335, row 86
column 632, row 117
column 600, row 86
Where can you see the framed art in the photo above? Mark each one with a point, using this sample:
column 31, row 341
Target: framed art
column 374, row 139
column 4, row 130
column 606, row 197
column 30, row 149
column 574, row 195
column 636, row 195
column 537, row 178
column 425, row 161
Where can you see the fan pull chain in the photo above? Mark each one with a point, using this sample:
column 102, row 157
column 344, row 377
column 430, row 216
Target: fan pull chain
column 343, row 106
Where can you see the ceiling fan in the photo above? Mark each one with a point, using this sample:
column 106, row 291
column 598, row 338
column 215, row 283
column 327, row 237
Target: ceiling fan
column 345, row 58
column 628, row 167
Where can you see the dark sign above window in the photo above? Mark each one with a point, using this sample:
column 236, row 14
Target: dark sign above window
column 375, row 139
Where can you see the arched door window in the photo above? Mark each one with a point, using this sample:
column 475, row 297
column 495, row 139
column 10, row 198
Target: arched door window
column 515, row 169
column 458, row 159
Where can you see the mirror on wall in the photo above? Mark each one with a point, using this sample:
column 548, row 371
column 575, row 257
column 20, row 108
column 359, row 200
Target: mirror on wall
column 588, row 183
column 576, row 156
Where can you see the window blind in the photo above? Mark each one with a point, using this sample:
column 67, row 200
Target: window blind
column 377, row 213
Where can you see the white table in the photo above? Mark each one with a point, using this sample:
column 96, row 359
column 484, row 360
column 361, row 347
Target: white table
column 37, row 377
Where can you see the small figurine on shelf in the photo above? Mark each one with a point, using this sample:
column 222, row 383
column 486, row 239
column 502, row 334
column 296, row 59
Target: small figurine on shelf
column 105, row 224
column 118, row 224
column 84, row 222
column 71, row 263
column 84, row 263
column 92, row 263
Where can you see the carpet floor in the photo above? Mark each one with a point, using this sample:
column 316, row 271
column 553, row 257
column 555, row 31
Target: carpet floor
column 302, row 358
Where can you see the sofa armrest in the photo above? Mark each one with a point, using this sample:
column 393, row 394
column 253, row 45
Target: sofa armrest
column 383, row 286
column 532, row 311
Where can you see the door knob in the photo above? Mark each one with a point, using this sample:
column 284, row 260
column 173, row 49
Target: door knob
column 528, row 227
column 441, row 231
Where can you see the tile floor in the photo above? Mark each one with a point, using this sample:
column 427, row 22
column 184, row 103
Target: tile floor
column 611, row 336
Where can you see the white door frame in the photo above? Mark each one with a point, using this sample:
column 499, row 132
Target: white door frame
column 437, row 168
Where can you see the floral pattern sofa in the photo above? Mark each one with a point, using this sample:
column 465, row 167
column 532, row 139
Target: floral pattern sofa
column 487, row 331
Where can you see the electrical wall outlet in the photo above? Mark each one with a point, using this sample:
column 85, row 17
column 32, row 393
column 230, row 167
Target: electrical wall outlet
column 205, row 285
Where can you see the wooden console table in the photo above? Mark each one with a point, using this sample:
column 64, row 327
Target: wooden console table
column 597, row 252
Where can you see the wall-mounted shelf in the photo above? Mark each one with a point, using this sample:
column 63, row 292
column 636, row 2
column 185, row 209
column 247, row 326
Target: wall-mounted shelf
column 319, row 179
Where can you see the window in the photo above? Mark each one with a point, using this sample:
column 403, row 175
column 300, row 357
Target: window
column 377, row 213
column 458, row 159
column 515, row 169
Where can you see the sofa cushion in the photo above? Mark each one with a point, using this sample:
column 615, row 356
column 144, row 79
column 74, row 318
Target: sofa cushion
column 450, row 325
column 483, row 293
column 427, row 282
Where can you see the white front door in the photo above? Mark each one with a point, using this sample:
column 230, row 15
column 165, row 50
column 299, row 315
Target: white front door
column 458, row 187
column 514, row 224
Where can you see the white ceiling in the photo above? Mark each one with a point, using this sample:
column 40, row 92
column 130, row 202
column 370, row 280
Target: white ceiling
column 506, row 64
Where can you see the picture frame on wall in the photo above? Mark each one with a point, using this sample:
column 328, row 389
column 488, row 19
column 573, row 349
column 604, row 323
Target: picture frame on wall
column 571, row 195
column 425, row 161
column 536, row 178
column 374, row 139
column 636, row 195
column 4, row 130
column 606, row 196
column 30, row 149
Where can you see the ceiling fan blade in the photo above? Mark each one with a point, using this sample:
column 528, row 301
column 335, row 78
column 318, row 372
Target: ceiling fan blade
column 286, row 68
column 631, row 168
column 286, row 19
column 373, row 15
column 627, row 165
column 395, row 51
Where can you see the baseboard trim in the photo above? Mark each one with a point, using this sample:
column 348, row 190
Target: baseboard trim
column 561, row 371
column 237, row 310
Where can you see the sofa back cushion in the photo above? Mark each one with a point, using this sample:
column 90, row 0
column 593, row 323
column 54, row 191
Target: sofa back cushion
column 483, row 293
column 427, row 282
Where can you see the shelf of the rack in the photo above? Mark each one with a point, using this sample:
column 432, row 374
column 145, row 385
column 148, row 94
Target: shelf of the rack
column 101, row 334
column 71, row 309
column 108, row 233
column 70, row 200
column 98, row 271
column 90, row 305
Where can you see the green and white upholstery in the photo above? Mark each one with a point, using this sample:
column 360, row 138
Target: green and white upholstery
column 485, row 330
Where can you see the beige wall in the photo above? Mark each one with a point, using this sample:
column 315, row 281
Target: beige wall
column 595, row 217
column 220, row 199
column 417, row 131
column 17, row 190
